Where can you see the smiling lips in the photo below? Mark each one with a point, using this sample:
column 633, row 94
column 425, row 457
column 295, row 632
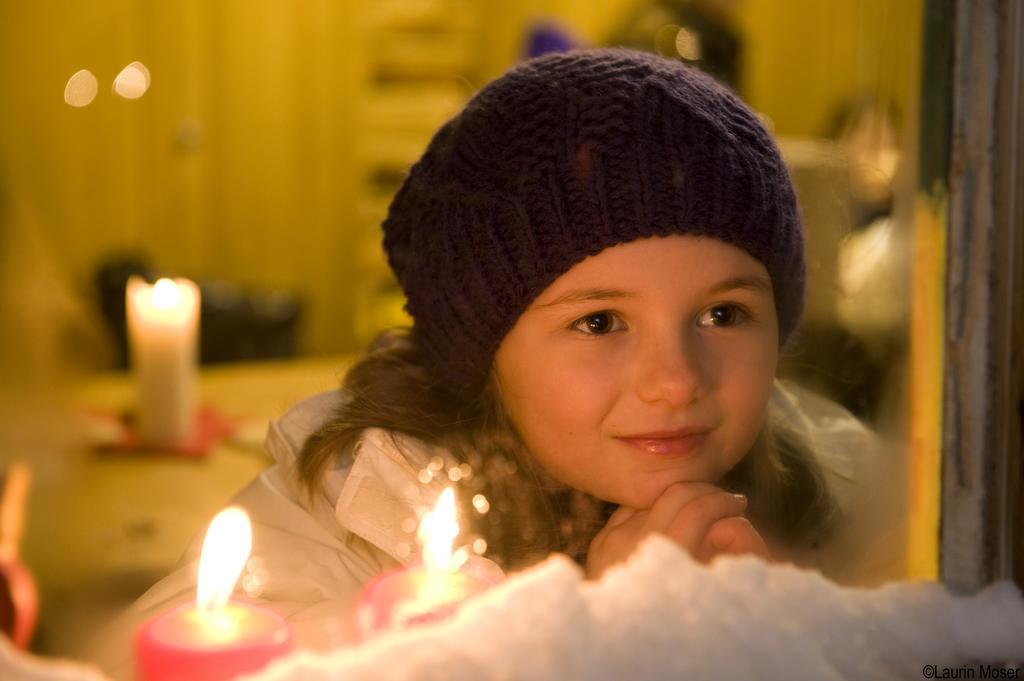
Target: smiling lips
column 669, row 443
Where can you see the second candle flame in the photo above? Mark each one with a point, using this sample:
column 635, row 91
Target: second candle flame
column 438, row 531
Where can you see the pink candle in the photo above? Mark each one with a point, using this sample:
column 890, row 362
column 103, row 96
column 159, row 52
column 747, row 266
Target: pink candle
column 414, row 595
column 188, row 643
column 213, row 638
column 426, row 592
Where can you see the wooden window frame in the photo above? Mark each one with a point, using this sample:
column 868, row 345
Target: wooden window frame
column 982, row 500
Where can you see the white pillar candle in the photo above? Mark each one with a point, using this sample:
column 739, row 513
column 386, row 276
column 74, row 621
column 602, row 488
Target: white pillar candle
column 163, row 332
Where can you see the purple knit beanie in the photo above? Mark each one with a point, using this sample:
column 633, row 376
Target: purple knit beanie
column 563, row 156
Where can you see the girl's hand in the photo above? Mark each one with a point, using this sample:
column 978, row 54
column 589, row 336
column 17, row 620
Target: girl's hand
column 705, row 520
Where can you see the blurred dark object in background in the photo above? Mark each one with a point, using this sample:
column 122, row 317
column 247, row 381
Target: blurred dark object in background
column 241, row 325
column 110, row 280
column 859, row 374
column 699, row 32
column 234, row 324
column 546, row 36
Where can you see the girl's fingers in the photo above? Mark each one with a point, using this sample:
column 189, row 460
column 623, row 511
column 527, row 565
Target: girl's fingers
column 684, row 512
column 666, row 507
column 735, row 535
column 616, row 540
column 695, row 519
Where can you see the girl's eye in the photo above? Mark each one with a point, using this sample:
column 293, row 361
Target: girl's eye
column 596, row 324
column 726, row 315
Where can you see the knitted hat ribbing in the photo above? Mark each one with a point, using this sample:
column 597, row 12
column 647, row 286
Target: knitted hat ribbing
column 563, row 156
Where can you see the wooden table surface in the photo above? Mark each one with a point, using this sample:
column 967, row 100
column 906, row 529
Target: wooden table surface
column 103, row 527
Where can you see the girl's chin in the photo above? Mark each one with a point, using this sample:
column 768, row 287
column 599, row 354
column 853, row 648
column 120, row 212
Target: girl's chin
column 630, row 498
column 644, row 495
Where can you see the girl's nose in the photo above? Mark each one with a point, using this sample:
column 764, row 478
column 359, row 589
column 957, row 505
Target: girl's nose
column 669, row 370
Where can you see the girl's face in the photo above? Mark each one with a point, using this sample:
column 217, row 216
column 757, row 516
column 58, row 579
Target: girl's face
column 652, row 335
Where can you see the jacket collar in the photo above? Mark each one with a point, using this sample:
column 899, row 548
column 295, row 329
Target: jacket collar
column 375, row 491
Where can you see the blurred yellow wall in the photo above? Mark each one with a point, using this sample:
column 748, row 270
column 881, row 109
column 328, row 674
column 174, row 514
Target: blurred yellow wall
column 803, row 57
column 233, row 165
column 253, row 157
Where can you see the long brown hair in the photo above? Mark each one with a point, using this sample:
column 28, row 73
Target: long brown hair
column 528, row 513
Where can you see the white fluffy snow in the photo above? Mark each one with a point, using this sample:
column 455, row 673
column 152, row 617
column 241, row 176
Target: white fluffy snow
column 664, row 616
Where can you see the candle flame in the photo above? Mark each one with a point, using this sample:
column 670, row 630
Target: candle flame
column 438, row 531
column 165, row 294
column 225, row 550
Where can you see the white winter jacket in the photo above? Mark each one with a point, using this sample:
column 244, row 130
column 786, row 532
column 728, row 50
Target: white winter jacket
column 316, row 556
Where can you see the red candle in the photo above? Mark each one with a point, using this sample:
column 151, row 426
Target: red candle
column 19, row 598
column 429, row 591
column 414, row 595
column 213, row 638
column 188, row 643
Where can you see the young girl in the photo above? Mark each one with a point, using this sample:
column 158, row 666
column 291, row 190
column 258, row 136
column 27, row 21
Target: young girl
column 603, row 259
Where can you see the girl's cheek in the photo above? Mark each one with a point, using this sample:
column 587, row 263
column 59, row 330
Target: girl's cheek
column 575, row 388
column 745, row 374
column 751, row 357
column 599, row 354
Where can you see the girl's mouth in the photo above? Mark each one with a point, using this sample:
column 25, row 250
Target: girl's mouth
column 668, row 446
